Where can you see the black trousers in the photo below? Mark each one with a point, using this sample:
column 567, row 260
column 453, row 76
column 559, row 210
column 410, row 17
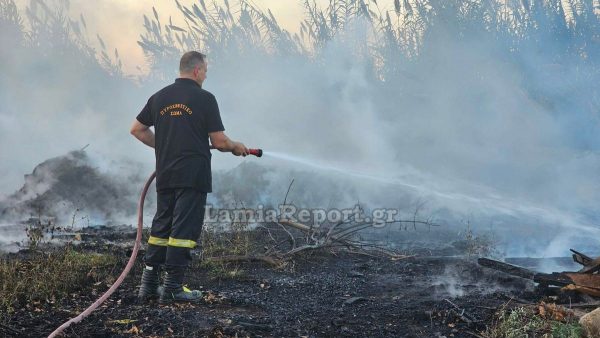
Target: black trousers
column 176, row 227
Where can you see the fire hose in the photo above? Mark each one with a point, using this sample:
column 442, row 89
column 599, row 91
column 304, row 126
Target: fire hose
column 131, row 262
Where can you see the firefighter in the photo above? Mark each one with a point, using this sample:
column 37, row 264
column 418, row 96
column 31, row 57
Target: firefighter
column 184, row 117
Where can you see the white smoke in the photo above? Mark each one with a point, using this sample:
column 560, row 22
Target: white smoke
column 459, row 127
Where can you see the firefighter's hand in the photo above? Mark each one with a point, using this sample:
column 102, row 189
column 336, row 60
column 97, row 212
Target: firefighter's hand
column 239, row 149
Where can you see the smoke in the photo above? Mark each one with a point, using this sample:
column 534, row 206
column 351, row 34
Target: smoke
column 56, row 96
column 484, row 126
column 462, row 125
column 69, row 191
column 450, row 283
column 463, row 278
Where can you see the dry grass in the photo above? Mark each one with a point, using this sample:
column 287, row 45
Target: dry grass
column 238, row 241
column 45, row 277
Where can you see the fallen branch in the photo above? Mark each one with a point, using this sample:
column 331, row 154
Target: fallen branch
column 590, row 265
column 321, row 239
column 289, row 234
column 299, row 226
column 585, row 283
column 304, row 248
column 461, row 313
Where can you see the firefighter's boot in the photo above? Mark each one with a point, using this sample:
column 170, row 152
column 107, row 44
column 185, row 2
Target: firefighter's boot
column 175, row 291
column 150, row 287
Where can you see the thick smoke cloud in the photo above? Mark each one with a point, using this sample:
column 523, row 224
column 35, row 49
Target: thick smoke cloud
column 500, row 140
column 67, row 190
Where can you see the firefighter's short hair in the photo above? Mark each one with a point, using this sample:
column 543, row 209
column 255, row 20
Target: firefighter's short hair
column 190, row 60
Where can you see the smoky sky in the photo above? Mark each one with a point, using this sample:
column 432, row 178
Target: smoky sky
column 474, row 131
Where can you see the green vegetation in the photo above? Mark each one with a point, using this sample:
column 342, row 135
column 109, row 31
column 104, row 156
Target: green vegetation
column 566, row 330
column 523, row 322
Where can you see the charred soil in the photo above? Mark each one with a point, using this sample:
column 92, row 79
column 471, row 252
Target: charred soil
column 319, row 293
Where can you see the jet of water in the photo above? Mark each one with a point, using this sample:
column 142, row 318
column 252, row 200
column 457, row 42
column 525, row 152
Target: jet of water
column 489, row 200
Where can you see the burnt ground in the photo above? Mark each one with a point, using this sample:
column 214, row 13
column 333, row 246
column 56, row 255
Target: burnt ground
column 318, row 294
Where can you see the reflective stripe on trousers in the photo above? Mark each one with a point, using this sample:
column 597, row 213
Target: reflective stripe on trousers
column 158, row 241
column 179, row 243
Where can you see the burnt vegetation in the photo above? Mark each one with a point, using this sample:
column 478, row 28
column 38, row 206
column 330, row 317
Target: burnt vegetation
column 289, row 279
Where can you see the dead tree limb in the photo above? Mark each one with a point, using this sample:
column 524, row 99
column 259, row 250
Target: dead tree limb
column 461, row 313
column 320, row 239
column 304, row 248
column 289, row 234
column 299, row 226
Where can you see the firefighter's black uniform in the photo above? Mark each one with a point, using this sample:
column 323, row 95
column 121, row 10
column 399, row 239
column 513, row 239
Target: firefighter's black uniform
column 182, row 115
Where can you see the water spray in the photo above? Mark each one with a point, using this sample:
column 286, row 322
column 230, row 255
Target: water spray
column 132, row 258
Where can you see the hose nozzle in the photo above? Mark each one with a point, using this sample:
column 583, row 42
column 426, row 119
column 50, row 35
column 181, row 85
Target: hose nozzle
column 255, row 152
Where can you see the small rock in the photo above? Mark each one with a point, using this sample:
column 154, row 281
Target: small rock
column 353, row 300
column 355, row 274
column 591, row 324
column 337, row 322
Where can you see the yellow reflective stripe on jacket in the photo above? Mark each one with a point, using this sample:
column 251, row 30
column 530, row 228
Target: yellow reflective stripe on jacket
column 182, row 243
column 158, row 241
